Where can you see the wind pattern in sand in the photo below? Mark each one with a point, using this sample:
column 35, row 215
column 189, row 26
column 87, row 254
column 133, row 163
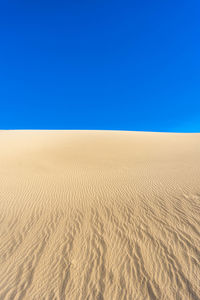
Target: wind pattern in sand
column 99, row 215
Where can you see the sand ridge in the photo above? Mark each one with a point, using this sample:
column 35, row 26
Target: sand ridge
column 99, row 215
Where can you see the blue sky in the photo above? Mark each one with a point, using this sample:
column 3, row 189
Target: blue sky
column 116, row 65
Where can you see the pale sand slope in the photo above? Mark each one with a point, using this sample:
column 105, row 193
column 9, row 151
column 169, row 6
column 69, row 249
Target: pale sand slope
column 99, row 215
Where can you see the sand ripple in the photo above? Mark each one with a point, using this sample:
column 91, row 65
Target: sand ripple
column 99, row 215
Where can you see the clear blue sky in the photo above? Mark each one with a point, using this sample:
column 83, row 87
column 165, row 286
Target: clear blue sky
column 119, row 65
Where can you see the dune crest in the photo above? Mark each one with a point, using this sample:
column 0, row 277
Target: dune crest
column 99, row 215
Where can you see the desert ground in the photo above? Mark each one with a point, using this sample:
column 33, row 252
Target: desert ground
column 99, row 215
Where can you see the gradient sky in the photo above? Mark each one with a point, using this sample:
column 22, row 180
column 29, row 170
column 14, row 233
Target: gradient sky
column 119, row 65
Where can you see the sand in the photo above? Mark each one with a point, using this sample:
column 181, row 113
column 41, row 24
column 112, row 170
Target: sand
column 99, row 215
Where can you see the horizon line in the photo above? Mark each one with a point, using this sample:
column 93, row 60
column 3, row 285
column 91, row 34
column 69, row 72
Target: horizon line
column 119, row 130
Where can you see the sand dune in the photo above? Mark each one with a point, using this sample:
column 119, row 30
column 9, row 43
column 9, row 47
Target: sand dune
column 99, row 215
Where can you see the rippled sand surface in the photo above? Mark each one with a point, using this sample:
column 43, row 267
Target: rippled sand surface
column 99, row 215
